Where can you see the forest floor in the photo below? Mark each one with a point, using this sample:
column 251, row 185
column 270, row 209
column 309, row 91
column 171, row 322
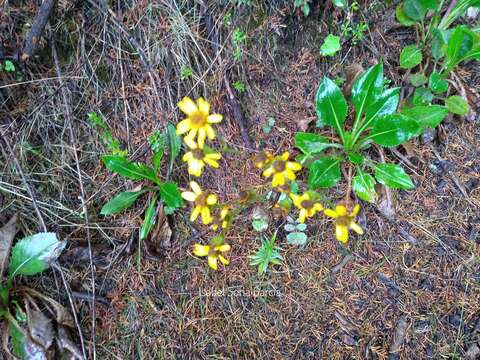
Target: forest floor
column 406, row 289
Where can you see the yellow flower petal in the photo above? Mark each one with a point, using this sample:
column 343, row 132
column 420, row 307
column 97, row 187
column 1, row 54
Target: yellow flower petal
column 278, row 180
column 297, row 200
column 189, row 196
column 223, row 247
column 187, row 106
column 330, row 213
column 214, row 118
column 187, row 156
column 289, row 174
column 183, row 126
column 223, row 260
column 206, row 217
column 318, row 207
column 293, row 166
column 285, row 156
column 202, row 135
column 196, row 211
column 195, row 187
column 355, row 227
column 203, row 106
column 210, row 132
column 224, row 212
column 212, row 199
column 302, row 216
column 355, row 211
column 200, row 250
column 341, row 210
column 211, row 162
column 195, row 167
column 190, row 139
column 212, row 262
column 341, row 232
column 268, row 172
column 214, row 156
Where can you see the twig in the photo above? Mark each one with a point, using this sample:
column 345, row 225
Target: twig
column 68, row 117
column 36, row 31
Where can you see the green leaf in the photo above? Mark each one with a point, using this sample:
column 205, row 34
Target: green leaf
column 422, row 96
column 340, row 3
column 402, row 17
column 324, row 173
column 330, row 46
column 457, row 105
column 386, row 104
column 128, row 169
column 18, row 341
column 416, row 9
column 393, row 176
column 393, row 130
column 297, row 238
column 410, row 56
column 9, row 66
column 459, row 43
column 33, row 254
column 310, row 143
column 331, row 106
column 439, row 43
column 356, row 159
column 363, row 185
column 367, row 89
column 120, row 202
column 426, row 116
column 174, row 143
column 418, row 79
column 150, row 218
column 437, row 84
column 157, row 142
column 170, row 195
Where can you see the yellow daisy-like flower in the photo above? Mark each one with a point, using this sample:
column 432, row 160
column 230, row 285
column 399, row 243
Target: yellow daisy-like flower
column 282, row 169
column 202, row 201
column 344, row 221
column 221, row 218
column 261, row 159
column 307, row 206
column 214, row 253
column 196, row 159
column 198, row 121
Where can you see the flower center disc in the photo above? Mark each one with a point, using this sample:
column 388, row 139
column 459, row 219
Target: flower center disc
column 279, row 165
column 201, row 199
column 307, row 204
column 198, row 154
column 342, row 221
column 197, row 118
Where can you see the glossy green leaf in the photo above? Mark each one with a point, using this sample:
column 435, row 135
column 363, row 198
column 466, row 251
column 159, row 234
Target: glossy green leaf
column 363, row 185
column 437, row 83
column 439, row 43
column 174, row 143
column 463, row 44
column 457, row 105
column 386, row 104
column 331, row 106
column 340, row 3
column 33, row 254
column 150, row 218
column 402, row 17
column 128, row 169
column 330, row 46
column 324, row 173
column 416, row 9
column 393, row 130
column 418, row 79
column 410, row 56
column 422, row 96
column 310, row 143
column 120, row 202
column 367, row 89
column 356, row 159
column 18, row 341
column 429, row 116
column 393, row 176
column 170, row 195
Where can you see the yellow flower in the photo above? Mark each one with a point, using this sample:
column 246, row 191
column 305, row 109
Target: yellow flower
column 307, row 206
column 282, row 169
column 202, row 201
column 221, row 218
column 197, row 158
column 344, row 221
column 213, row 253
column 197, row 122
column 261, row 159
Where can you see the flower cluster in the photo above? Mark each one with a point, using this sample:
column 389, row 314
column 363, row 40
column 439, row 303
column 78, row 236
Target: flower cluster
column 196, row 128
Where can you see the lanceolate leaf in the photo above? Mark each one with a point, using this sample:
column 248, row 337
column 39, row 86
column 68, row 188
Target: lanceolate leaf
column 128, row 169
column 174, row 143
column 324, row 173
column 331, row 106
column 363, row 185
column 149, row 221
column 392, row 130
column 426, row 116
column 393, row 176
column 170, row 195
column 386, row 104
column 35, row 253
column 367, row 88
column 310, row 143
column 120, row 202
